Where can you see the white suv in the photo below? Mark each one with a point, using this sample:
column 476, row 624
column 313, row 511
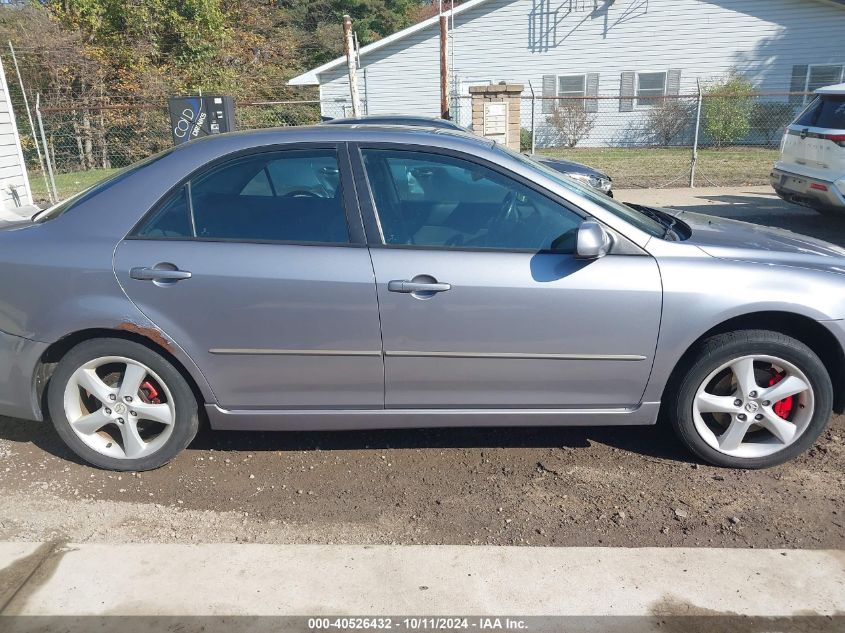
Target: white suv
column 811, row 169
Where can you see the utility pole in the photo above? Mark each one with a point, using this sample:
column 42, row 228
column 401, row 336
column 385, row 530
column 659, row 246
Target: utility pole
column 444, row 68
column 349, row 49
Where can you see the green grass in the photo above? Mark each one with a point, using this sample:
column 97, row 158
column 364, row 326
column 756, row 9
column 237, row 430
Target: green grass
column 67, row 184
column 669, row 167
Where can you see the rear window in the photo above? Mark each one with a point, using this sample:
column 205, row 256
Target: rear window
column 827, row 111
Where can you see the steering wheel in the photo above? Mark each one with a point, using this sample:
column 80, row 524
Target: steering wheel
column 506, row 214
column 301, row 193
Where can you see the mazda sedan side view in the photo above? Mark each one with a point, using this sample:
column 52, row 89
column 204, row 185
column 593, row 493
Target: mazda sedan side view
column 350, row 277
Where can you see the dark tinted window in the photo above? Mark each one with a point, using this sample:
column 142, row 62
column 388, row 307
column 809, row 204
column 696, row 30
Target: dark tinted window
column 171, row 220
column 826, row 112
column 291, row 196
column 442, row 201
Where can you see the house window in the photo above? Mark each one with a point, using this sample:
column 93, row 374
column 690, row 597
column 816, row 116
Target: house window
column 821, row 75
column 572, row 86
column 650, row 85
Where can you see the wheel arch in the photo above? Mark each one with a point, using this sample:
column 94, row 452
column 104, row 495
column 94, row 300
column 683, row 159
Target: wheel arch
column 154, row 341
column 802, row 328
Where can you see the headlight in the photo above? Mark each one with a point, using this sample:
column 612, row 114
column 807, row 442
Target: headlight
column 596, row 182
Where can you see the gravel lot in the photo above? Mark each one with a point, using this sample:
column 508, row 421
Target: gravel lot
column 612, row 486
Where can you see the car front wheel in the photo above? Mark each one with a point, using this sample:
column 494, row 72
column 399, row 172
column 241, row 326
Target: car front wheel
column 752, row 399
column 121, row 406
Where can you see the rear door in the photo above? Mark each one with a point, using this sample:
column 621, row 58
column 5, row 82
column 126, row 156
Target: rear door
column 482, row 302
column 257, row 268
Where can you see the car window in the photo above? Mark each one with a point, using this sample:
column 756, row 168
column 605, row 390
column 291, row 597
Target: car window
column 825, row 112
column 289, row 196
column 434, row 200
column 172, row 219
column 630, row 215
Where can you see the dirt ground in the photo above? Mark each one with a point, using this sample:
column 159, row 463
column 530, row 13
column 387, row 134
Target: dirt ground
column 612, row 486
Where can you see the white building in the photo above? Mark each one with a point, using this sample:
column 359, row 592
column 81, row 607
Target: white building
column 14, row 183
column 618, row 48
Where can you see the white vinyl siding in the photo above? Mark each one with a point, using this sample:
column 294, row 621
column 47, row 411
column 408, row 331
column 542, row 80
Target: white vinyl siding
column 513, row 39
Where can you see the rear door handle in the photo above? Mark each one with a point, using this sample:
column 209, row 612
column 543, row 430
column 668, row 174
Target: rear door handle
column 399, row 285
column 158, row 274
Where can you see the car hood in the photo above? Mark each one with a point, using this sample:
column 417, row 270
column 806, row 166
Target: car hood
column 732, row 239
column 558, row 164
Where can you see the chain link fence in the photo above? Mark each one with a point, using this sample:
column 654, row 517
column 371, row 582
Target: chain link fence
column 645, row 142
column 656, row 141
column 86, row 142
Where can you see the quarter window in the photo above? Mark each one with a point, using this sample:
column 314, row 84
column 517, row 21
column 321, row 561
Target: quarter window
column 432, row 200
column 650, row 85
column 290, row 196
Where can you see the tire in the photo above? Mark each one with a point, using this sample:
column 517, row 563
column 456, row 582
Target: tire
column 804, row 413
column 142, row 428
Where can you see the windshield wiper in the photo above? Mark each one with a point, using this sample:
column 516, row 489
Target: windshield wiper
column 664, row 219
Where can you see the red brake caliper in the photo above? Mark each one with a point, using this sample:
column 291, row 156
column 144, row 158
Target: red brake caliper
column 784, row 407
column 150, row 392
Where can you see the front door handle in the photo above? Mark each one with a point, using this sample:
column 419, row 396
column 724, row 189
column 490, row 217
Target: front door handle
column 158, row 274
column 407, row 287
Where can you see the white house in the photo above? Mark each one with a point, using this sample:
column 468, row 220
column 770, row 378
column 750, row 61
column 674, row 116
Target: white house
column 616, row 48
column 14, row 183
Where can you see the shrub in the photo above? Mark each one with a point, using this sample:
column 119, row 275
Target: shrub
column 727, row 108
column 524, row 139
column 769, row 120
column 667, row 119
column 571, row 122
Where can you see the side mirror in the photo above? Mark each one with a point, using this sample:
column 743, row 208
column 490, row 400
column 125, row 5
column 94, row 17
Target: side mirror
column 593, row 241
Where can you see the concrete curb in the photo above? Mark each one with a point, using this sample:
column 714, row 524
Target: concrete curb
column 281, row 580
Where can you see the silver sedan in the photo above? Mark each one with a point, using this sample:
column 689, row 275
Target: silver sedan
column 345, row 277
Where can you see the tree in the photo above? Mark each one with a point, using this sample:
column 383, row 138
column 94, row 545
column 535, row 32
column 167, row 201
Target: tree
column 571, row 121
column 667, row 119
column 726, row 109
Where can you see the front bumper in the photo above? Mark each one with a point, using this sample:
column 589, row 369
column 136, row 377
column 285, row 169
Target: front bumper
column 19, row 358
column 806, row 191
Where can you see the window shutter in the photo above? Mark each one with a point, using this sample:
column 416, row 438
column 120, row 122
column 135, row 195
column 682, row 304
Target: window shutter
column 549, row 90
column 673, row 82
column 626, row 102
column 798, row 83
column 592, row 90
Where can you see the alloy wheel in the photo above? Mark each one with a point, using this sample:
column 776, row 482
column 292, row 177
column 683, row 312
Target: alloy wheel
column 119, row 407
column 753, row 406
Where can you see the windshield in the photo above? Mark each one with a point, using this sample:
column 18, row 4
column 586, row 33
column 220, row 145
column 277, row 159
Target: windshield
column 86, row 194
column 632, row 216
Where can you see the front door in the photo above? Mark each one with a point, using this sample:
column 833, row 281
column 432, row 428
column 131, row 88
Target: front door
column 258, row 272
column 483, row 304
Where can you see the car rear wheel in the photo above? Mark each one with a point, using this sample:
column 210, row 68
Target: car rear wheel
column 752, row 399
column 121, row 406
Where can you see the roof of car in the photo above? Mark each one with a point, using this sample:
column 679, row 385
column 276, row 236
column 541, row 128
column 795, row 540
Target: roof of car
column 221, row 144
column 836, row 89
column 397, row 119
